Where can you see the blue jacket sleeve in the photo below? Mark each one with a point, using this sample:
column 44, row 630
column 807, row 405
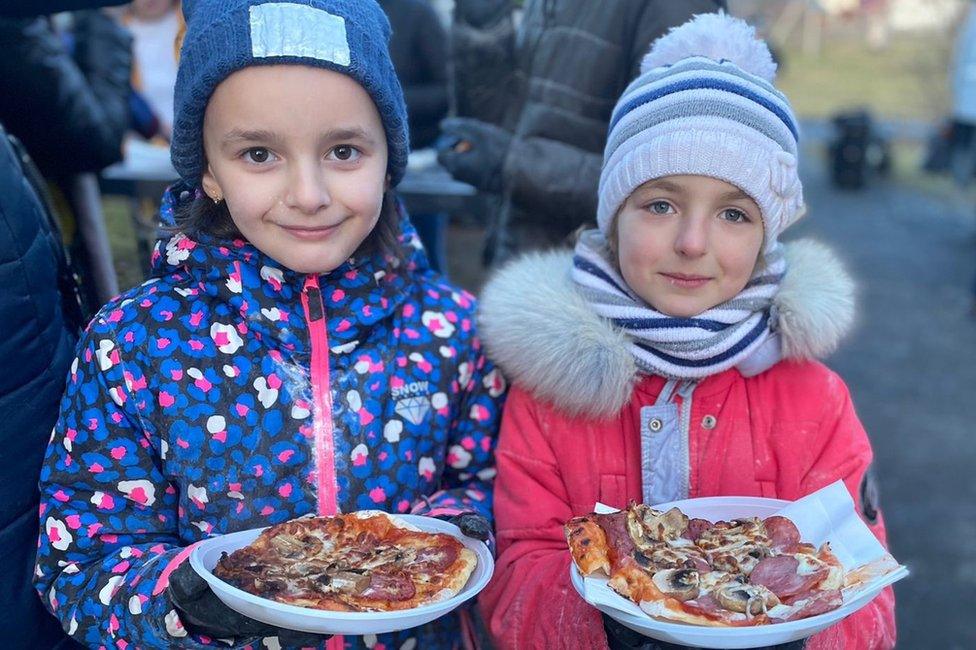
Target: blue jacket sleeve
column 466, row 484
column 108, row 515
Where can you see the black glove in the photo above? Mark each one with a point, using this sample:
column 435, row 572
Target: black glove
column 620, row 637
column 480, row 13
column 474, row 152
column 473, row 525
column 203, row 613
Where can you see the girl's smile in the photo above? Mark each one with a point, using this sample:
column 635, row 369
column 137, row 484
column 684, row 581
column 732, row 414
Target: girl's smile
column 686, row 281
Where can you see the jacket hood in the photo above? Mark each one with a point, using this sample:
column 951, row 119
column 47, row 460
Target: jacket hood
column 543, row 334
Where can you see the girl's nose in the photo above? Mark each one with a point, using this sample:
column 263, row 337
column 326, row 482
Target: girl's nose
column 692, row 236
column 308, row 190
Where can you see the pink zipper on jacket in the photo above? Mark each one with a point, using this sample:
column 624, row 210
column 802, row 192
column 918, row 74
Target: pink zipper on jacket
column 322, row 397
column 318, row 336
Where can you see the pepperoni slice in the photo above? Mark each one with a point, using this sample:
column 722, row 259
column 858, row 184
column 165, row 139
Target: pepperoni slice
column 695, row 528
column 396, row 585
column 817, row 602
column 434, row 559
column 619, row 540
column 782, row 532
column 778, row 574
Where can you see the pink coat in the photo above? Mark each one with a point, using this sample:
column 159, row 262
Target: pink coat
column 783, row 433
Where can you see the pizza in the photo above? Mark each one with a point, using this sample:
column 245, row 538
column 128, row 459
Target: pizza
column 730, row 573
column 359, row 562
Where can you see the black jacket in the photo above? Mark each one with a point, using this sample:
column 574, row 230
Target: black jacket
column 553, row 83
column 70, row 110
column 419, row 52
column 39, row 323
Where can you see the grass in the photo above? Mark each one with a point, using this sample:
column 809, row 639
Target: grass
column 908, row 80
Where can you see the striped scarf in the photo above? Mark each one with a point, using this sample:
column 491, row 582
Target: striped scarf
column 681, row 348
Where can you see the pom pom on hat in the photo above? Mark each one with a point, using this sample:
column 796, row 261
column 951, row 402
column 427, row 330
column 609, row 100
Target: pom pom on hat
column 717, row 36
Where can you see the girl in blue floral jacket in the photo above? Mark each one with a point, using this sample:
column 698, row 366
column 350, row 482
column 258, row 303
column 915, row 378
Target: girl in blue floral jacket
column 292, row 354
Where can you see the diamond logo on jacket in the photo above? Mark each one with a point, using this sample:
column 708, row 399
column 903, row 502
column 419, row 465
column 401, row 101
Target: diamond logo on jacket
column 412, row 401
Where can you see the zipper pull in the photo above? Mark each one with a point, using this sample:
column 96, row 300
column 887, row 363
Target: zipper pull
column 316, row 310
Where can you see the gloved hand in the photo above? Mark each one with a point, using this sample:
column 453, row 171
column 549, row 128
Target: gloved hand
column 473, row 525
column 474, row 152
column 479, row 13
column 620, row 637
column 203, row 613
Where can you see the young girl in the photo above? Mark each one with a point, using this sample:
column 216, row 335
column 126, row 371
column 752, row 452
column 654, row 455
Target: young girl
column 671, row 355
column 292, row 355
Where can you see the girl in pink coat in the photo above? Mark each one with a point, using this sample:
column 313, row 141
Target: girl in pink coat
column 672, row 354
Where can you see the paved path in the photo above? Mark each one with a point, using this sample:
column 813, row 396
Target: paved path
column 911, row 367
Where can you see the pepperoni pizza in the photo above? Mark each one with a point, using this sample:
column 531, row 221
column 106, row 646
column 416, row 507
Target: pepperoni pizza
column 729, row 573
column 360, row 562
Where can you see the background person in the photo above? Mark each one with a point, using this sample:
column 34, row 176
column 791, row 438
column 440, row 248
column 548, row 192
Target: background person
column 567, row 62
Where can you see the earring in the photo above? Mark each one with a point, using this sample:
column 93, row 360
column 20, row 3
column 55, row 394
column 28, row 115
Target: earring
column 217, row 199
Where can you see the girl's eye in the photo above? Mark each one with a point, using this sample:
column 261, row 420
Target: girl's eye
column 735, row 216
column 345, row 153
column 257, row 155
column 660, row 207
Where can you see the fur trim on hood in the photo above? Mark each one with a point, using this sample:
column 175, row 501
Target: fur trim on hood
column 545, row 337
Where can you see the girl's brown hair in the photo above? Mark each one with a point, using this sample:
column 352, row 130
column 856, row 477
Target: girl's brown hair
column 200, row 215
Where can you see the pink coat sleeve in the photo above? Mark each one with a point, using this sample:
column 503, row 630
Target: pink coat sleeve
column 530, row 603
column 844, row 452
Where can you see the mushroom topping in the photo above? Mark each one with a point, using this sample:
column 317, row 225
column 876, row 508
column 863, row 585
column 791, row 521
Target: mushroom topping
column 681, row 584
column 349, row 582
column 288, row 545
column 646, row 523
column 747, row 599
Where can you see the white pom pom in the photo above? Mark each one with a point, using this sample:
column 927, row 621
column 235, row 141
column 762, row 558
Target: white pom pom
column 717, row 36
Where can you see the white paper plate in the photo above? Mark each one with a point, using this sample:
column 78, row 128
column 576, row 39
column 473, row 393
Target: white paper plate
column 714, row 509
column 204, row 558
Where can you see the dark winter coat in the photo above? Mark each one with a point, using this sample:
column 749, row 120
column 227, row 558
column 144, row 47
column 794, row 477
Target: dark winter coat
column 38, row 330
column 229, row 393
column 573, row 59
column 419, row 52
column 71, row 110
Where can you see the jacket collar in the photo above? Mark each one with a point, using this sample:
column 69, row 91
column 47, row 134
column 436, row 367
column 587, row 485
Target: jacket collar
column 266, row 296
column 545, row 337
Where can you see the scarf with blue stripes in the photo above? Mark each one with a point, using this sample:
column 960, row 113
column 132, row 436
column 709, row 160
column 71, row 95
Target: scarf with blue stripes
column 681, row 348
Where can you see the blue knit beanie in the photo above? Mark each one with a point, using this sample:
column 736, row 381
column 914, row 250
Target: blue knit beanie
column 223, row 36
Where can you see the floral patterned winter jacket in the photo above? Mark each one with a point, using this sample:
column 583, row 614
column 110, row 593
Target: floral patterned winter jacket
column 229, row 393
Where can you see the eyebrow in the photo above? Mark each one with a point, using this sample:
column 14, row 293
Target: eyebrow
column 245, row 135
column 661, row 184
column 262, row 135
column 734, row 195
column 348, row 133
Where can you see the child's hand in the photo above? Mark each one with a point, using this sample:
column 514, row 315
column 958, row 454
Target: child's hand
column 203, row 613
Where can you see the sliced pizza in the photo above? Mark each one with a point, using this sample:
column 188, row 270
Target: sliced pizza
column 367, row 561
column 746, row 571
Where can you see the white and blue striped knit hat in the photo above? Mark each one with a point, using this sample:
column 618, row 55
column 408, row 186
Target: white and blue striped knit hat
column 704, row 104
